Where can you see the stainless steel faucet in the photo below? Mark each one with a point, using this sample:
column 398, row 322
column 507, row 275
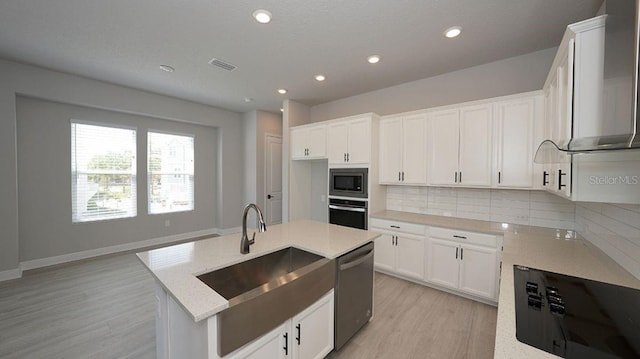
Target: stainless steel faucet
column 245, row 242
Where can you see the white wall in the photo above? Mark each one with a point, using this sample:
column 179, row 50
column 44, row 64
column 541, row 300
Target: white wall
column 41, row 83
column 505, row 77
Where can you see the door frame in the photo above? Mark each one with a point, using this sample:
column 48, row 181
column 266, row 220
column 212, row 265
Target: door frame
column 268, row 136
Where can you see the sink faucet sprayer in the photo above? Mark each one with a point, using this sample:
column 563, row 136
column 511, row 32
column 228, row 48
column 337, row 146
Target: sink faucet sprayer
column 245, row 242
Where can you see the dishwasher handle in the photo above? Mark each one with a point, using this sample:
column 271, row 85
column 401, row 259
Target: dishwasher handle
column 356, row 262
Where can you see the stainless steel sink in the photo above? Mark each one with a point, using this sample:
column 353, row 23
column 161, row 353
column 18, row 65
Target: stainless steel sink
column 265, row 291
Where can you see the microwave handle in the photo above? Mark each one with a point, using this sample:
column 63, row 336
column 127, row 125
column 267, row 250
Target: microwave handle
column 350, row 209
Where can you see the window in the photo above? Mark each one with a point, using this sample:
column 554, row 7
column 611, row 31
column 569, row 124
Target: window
column 170, row 171
column 103, row 172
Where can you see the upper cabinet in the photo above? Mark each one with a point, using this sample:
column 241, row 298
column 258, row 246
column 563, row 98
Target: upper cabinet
column 309, row 142
column 349, row 141
column 403, row 150
column 516, row 137
column 461, row 146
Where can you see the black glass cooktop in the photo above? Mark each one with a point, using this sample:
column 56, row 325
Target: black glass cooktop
column 574, row 317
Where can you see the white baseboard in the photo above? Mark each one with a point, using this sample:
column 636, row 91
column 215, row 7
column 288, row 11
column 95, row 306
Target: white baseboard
column 10, row 274
column 45, row 262
column 225, row 231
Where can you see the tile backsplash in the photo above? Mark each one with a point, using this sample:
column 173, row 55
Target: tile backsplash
column 536, row 208
column 615, row 229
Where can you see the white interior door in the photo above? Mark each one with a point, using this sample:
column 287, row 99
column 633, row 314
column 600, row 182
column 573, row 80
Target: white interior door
column 273, row 179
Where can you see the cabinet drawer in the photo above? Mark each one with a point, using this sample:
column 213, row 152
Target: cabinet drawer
column 403, row 227
column 481, row 239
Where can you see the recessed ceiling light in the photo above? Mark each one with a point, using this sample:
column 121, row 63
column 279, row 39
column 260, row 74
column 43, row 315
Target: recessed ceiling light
column 262, row 16
column 320, row 78
column 453, row 31
column 373, row 59
column 282, row 91
column 167, row 68
column 248, row 99
column 281, row 109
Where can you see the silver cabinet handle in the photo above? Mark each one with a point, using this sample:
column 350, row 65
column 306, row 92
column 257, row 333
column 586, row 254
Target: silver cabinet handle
column 350, row 209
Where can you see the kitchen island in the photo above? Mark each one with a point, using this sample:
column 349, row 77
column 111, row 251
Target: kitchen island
column 554, row 250
column 195, row 305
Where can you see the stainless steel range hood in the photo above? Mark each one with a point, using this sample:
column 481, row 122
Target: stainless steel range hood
column 621, row 107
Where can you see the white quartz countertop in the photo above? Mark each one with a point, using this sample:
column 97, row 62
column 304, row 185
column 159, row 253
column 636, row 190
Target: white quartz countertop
column 176, row 267
column 535, row 247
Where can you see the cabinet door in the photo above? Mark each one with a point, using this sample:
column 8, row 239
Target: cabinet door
column 475, row 146
column 444, row 138
column 478, row 270
column 270, row 345
column 565, row 93
column 385, row 253
column 359, row 141
column 312, row 330
column 414, row 161
column 410, row 256
column 390, row 154
column 317, row 142
column 337, row 142
column 515, row 135
column 299, row 139
column 443, row 263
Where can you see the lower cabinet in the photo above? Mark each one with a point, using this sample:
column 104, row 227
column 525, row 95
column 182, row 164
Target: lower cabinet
column 464, row 261
column 400, row 248
column 308, row 335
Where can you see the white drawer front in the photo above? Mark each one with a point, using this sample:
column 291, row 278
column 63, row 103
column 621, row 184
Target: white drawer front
column 398, row 226
column 481, row 239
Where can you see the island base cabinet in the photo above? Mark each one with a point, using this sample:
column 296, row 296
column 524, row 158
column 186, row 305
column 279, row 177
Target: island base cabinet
column 308, row 335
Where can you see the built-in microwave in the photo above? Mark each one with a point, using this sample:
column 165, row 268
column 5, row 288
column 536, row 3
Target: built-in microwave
column 348, row 182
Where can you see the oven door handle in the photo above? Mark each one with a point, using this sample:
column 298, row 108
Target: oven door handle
column 350, row 209
column 356, row 262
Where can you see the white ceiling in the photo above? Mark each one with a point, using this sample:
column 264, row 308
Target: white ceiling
column 124, row 42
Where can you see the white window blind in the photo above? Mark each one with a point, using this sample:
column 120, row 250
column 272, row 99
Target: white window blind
column 103, row 172
column 170, row 171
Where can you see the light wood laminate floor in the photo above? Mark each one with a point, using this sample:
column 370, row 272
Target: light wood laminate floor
column 104, row 308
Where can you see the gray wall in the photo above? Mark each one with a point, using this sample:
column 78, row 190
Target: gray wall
column 505, row 77
column 44, row 178
column 41, row 83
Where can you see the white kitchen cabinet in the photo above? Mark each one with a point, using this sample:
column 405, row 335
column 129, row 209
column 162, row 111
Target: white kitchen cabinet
column 403, row 150
column 400, row 249
column 312, row 330
column 349, row 141
column 574, row 101
column 308, row 335
column 463, row 261
column 461, row 146
column 309, row 142
column 515, row 145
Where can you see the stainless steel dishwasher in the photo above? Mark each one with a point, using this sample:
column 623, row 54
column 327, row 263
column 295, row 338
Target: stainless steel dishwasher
column 353, row 293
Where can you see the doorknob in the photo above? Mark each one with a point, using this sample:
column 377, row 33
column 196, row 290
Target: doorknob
column 269, row 196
